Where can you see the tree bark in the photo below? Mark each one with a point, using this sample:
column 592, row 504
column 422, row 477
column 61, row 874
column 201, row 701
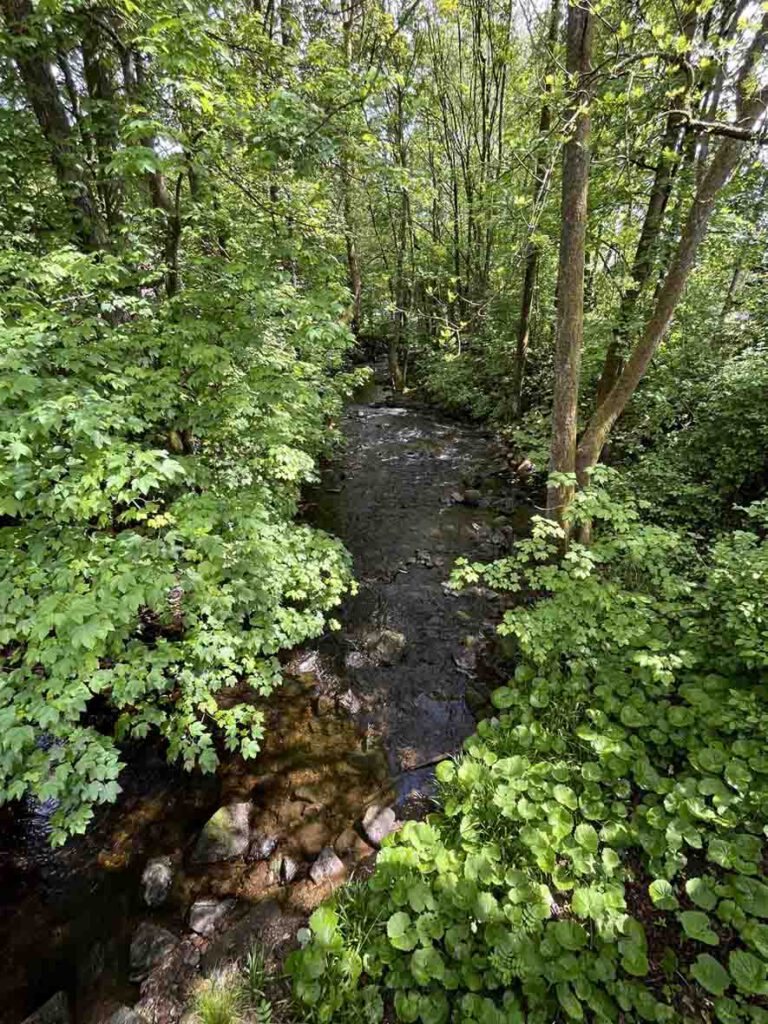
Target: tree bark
column 570, row 278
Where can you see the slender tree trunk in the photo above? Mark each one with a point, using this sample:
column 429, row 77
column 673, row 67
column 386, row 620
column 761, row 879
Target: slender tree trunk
column 642, row 264
column 533, row 250
column 350, row 241
column 570, row 279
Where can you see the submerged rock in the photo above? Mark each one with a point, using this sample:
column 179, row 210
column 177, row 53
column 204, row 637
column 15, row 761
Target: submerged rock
column 156, row 881
column 378, row 823
column 149, row 945
column 385, row 646
column 326, row 867
column 225, row 836
column 54, row 1011
column 205, row 916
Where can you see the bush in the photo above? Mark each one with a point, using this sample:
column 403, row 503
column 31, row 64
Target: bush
column 151, row 463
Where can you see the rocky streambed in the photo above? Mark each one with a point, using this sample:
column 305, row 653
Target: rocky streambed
column 183, row 872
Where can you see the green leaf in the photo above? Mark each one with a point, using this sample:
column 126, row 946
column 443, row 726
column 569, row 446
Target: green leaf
column 696, row 926
column 586, row 836
column 710, row 974
column 663, row 895
column 748, row 973
column 400, row 931
column 570, row 934
column 701, row 893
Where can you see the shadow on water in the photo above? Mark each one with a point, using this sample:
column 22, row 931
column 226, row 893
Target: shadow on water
column 362, row 718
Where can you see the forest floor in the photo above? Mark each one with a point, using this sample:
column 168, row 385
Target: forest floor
column 362, row 719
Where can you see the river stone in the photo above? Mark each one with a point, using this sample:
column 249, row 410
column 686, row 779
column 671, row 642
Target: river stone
column 378, row 822
column 205, row 916
column 262, row 846
column 326, row 867
column 156, row 881
column 225, row 836
column 54, row 1011
column 150, row 943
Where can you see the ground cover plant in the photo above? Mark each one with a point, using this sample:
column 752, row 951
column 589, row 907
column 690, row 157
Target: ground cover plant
column 598, row 852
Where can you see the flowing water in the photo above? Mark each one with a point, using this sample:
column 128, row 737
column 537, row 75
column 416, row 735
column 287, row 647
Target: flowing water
column 363, row 717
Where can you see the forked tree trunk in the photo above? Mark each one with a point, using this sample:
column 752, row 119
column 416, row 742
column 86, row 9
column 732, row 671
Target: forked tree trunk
column 570, row 278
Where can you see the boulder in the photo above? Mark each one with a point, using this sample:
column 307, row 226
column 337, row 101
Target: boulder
column 327, row 867
column 225, row 836
column 54, row 1011
column 205, row 916
column 149, row 945
column 378, row 822
column 156, row 881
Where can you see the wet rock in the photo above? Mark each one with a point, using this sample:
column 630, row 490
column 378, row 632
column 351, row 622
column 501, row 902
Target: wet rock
column 54, row 1011
column 327, row 867
column 378, row 822
column 149, row 945
column 262, row 846
column 206, row 916
column 125, row 1015
column 472, row 496
column 225, row 835
column 386, row 646
column 156, row 881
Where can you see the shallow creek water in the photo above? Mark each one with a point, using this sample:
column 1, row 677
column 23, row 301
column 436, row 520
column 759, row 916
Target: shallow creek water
column 363, row 717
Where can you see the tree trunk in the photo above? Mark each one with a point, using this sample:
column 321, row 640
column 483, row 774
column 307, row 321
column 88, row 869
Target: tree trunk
column 570, row 278
column 533, row 250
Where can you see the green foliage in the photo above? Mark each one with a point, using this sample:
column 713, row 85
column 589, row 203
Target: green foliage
column 151, row 463
column 621, row 787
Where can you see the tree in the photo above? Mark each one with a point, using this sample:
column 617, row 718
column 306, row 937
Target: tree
column 570, row 281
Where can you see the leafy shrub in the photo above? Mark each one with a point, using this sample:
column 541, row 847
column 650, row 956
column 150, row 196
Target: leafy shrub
column 599, row 853
column 150, row 467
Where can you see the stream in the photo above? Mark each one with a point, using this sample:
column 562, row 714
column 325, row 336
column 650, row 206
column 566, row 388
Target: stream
column 363, row 717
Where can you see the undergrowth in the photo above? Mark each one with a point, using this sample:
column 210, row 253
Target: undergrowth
column 599, row 852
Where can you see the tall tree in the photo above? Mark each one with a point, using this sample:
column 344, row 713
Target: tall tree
column 569, row 330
